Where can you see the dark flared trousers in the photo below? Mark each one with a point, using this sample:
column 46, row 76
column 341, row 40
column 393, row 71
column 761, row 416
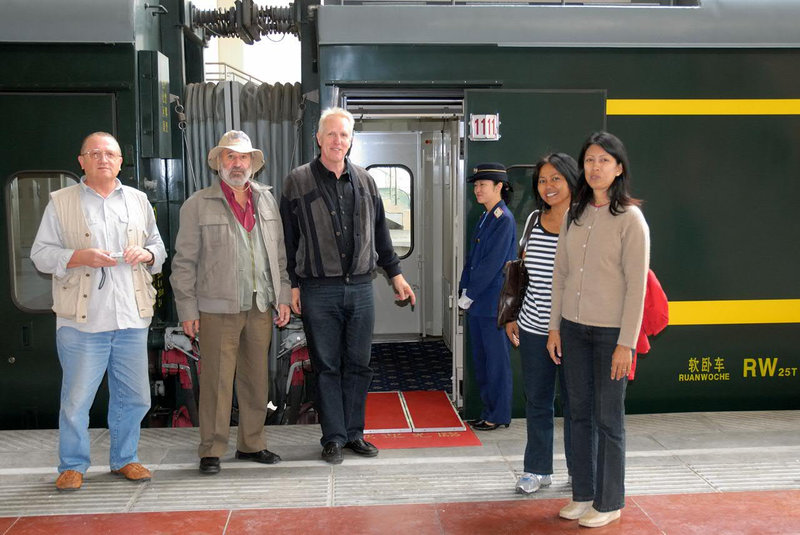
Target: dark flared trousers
column 597, row 413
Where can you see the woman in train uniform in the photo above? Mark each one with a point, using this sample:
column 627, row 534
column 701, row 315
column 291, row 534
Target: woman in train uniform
column 493, row 243
column 555, row 179
column 599, row 280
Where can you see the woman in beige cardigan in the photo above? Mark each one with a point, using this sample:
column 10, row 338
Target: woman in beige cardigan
column 599, row 282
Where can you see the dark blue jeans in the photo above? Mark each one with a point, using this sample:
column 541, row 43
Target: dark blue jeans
column 597, row 411
column 338, row 320
column 539, row 381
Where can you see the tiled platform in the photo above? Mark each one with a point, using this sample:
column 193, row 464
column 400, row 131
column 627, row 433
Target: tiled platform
column 699, row 473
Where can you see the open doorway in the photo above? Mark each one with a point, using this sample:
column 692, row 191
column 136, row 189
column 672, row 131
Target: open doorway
column 416, row 165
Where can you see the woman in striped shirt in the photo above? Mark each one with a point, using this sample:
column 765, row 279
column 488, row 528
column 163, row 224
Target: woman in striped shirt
column 554, row 181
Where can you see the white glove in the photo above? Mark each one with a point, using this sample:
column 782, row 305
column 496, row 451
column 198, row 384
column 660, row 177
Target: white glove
column 464, row 302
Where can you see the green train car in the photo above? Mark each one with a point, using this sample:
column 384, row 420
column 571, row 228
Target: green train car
column 71, row 68
column 704, row 94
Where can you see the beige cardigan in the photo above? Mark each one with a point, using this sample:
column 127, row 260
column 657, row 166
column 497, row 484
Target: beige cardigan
column 600, row 271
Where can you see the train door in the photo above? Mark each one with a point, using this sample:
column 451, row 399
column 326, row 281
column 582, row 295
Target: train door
column 46, row 129
column 447, row 168
column 393, row 161
column 531, row 123
column 416, row 164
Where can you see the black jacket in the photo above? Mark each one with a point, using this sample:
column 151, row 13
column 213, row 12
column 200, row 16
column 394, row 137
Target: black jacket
column 313, row 236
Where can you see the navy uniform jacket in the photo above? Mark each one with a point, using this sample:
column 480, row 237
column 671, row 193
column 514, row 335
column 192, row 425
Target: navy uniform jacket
column 493, row 243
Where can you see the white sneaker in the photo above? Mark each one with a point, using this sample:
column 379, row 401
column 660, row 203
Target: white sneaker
column 594, row 518
column 574, row 510
column 529, row 483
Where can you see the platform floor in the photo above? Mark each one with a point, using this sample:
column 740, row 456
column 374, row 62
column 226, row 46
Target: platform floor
column 689, row 473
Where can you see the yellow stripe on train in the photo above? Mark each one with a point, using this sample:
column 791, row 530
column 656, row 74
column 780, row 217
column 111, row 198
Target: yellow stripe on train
column 734, row 312
column 787, row 106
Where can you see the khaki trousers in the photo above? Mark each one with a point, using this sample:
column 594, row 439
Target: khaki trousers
column 233, row 345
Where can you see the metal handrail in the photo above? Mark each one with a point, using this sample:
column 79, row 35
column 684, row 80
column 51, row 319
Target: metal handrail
column 226, row 73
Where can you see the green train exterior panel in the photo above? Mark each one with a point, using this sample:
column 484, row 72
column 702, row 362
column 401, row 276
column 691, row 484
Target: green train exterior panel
column 719, row 191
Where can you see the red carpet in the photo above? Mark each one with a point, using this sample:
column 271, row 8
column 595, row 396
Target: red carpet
column 442, row 439
column 418, row 419
column 385, row 413
column 432, row 411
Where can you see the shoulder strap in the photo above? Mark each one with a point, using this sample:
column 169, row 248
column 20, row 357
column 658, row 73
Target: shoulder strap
column 532, row 219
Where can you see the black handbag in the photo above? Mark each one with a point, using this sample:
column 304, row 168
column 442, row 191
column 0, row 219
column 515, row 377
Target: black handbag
column 515, row 281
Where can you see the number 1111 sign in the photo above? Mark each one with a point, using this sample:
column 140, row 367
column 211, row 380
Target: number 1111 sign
column 484, row 127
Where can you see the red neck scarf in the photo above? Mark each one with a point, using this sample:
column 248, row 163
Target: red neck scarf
column 245, row 216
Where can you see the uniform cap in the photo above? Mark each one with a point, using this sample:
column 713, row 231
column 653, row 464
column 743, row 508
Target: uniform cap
column 489, row 171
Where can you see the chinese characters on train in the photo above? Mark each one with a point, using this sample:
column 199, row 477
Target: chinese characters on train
column 714, row 368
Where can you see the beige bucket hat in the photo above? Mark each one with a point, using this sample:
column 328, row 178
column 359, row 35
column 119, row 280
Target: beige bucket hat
column 237, row 141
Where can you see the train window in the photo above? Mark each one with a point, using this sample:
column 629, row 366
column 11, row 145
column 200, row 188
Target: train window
column 27, row 196
column 394, row 183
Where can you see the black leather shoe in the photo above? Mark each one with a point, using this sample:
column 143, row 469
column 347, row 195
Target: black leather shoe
column 332, row 453
column 475, row 421
column 263, row 456
column 209, row 465
column 485, row 426
column 362, row 447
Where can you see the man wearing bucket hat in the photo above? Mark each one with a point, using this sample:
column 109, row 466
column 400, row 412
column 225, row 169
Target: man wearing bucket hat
column 493, row 244
column 228, row 275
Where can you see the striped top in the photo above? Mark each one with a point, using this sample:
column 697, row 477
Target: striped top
column 540, row 252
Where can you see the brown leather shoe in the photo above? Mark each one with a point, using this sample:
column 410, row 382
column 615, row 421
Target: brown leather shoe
column 134, row 472
column 69, row 480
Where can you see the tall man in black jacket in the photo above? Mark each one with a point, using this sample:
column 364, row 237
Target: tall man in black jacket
column 336, row 235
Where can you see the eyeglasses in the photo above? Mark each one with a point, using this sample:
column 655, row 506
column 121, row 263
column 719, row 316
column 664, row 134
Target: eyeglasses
column 98, row 154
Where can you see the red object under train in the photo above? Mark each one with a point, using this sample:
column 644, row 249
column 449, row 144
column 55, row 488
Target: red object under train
column 174, row 362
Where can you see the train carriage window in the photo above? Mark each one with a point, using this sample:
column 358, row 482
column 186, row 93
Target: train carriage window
column 395, row 184
column 27, row 195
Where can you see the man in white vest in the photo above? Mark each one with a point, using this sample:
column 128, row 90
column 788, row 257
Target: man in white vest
column 228, row 276
column 100, row 242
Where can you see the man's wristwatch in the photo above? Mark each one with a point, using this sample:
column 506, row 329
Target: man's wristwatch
column 152, row 257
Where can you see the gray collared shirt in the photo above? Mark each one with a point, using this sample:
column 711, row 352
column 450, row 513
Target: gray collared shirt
column 113, row 306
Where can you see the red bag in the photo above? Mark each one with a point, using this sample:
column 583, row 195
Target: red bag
column 654, row 319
